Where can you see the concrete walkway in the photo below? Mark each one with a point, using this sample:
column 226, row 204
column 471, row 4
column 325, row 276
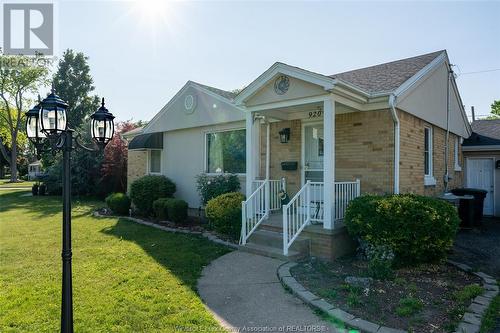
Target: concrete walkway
column 243, row 290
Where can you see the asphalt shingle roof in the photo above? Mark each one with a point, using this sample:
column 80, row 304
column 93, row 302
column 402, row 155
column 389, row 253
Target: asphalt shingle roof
column 484, row 133
column 388, row 76
column 224, row 93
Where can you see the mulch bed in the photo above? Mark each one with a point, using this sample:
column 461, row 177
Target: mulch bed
column 432, row 285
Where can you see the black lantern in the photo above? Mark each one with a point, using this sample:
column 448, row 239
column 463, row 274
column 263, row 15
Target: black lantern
column 53, row 115
column 102, row 126
column 33, row 126
column 284, row 135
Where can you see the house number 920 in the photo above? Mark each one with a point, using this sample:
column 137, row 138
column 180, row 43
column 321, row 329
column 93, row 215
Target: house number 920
column 315, row 114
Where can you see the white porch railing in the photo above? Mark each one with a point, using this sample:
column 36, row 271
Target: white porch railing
column 296, row 215
column 256, row 208
column 307, row 206
column 275, row 186
column 253, row 212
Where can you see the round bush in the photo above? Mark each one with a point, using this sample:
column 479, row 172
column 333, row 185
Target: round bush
column 224, row 213
column 119, row 203
column 160, row 208
column 418, row 229
column 145, row 190
column 177, row 210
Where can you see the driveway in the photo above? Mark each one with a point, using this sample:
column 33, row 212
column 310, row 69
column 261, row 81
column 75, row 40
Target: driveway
column 480, row 249
column 243, row 291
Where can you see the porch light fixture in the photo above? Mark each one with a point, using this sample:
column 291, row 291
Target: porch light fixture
column 47, row 129
column 284, row 135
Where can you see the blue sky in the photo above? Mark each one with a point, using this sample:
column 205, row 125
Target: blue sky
column 140, row 58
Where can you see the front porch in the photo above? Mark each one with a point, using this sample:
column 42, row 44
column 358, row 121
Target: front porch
column 317, row 142
column 292, row 150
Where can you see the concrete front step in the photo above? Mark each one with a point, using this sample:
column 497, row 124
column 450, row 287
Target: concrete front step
column 271, row 252
column 270, row 244
column 275, row 239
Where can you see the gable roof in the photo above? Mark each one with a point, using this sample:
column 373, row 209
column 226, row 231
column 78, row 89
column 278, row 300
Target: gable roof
column 484, row 133
column 223, row 93
column 388, row 76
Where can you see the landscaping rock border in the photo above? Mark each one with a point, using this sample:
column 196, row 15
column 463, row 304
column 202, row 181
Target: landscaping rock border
column 471, row 321
column 207, row 235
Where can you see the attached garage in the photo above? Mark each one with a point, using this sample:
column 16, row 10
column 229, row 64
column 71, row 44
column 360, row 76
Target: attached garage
column 482, row 162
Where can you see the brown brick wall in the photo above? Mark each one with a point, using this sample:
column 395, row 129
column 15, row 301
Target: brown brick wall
column 329, row 244
column 364, row 149
column 412, row 157
column 280, row 152
column 136, row 165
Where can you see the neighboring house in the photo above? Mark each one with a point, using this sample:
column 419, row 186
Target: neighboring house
column 482, row 162
column 379, row 129
column 34, row 170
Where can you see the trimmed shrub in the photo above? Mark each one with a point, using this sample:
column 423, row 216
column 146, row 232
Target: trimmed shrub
column 145, row 190
column 119, row 203
column 177, row 210
column 210, row 187
column 160, row 208
column 416, row 228
column 224, row 213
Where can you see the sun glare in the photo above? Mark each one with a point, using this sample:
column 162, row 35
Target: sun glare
column 151, row 12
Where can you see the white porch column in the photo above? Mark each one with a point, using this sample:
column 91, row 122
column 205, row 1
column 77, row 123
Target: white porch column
column 268, row 161
column 329, row 162
column 252, row 151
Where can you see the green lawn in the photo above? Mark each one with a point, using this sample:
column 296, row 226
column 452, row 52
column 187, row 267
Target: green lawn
column 20, row 184
column 126, row 277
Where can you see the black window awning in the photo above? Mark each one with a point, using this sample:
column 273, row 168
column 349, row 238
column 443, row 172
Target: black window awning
column 147, row 141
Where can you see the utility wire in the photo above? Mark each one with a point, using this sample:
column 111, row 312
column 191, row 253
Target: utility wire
column 484, row 71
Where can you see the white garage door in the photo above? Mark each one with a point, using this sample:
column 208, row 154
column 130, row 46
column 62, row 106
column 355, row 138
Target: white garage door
column 480, row 175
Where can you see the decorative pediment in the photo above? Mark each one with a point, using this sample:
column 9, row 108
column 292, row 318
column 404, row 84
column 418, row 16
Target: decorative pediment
column 283, row 82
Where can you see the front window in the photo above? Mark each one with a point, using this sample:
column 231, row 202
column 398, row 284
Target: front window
column 226, row 151
column 155, row 161
column 456, row 154
column 428, row 142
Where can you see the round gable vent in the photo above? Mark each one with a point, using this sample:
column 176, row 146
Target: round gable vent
column 189, row 104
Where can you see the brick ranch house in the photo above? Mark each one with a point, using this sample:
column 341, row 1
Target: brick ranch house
column 380, row 129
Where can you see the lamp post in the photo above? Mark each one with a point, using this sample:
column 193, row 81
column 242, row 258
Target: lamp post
column 46, row 125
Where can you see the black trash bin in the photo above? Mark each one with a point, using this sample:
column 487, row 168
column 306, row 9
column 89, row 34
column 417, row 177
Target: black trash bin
column 477, row 205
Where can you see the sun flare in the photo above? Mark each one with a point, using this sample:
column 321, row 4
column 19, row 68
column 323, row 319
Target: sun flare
column 151, row 12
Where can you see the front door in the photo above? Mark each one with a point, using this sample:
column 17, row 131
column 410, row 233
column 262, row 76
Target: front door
column 313, row 151
column 480, row 175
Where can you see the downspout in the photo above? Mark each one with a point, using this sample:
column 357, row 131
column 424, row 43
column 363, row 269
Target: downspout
column 392, row 105
column 446, row 177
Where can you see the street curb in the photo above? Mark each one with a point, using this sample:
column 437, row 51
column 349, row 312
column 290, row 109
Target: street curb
column 471, row 321
column 206, row 235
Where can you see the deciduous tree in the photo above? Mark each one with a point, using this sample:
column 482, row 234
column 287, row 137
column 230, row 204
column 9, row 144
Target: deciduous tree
column 18, row 82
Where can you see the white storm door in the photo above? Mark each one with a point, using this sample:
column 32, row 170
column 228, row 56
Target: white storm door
column 480, row 175
column 312, row 164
